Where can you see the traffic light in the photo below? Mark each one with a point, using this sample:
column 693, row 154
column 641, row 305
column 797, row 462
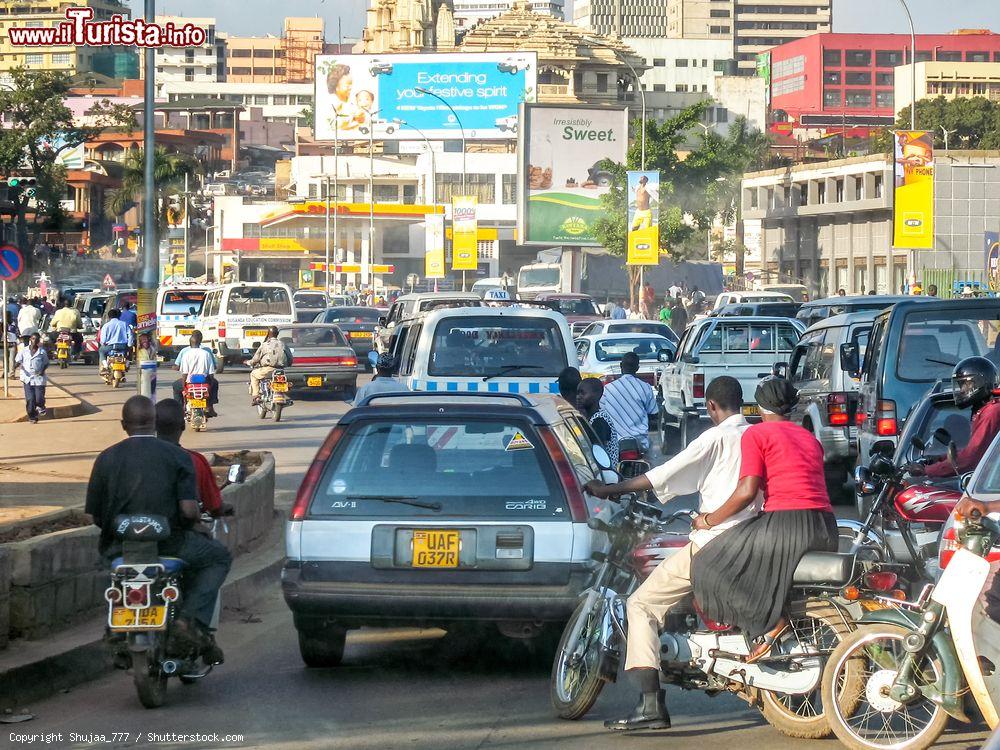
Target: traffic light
column 27, row 184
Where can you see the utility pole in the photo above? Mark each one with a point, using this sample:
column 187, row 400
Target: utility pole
column 148, row 279
column 187, row 223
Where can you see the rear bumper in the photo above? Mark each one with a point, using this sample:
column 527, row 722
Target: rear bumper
column 838, row 447
column 331, row 379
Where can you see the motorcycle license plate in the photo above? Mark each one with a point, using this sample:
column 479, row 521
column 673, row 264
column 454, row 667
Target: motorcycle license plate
column 150, row 617
column 255, row 333
column 280, row 387
column 185, row 331
column 314, row 381
column 198, row 403
column 436, row 549
column 62, row 346
column 118, row 366
column 751, row 410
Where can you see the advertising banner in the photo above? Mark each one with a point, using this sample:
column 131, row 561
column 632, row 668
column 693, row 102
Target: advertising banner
column 992, row 242
column 464, row 246
column 643, row 218
column 913, row 194
column 434, row 246
column 561, row 178
column 764, row 71
column 484, row 90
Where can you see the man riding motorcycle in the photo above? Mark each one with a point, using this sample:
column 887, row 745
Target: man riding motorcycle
column 973, row 383
column 196, row 359
column 67, row 318
column 269, row 356
column 113, row 334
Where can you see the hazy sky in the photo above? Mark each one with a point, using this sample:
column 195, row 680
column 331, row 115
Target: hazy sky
column 259, row 17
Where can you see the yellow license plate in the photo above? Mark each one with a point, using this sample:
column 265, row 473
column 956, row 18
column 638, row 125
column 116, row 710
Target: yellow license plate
column 62, row 346
column 314, row 381
column 185, row 331
column 198, row 403
column 118, row 366
column 751, row 411
column 360, row 334
column 150, row 617
column 436, row 549
column 279, row 387
column 255, row 333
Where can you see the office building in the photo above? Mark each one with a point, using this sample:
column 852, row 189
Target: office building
column 951, row 80
column 625, row 18
column 470, row 12
column 204, row 63
column 290, row 58
column 682, row 65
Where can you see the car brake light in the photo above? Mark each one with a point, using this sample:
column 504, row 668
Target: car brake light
column 574, row 494
column 222, row 330
column 698, row 387
column 881, row 581
column 885, row 419
column 836, row 410
column 315, row 471
column 859, row 418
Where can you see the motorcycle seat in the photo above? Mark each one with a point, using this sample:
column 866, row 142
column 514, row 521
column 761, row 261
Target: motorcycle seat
column 824, row 568
column 198, row 379
column 170, row 565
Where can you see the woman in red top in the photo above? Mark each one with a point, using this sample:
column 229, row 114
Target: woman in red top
column 742, row 578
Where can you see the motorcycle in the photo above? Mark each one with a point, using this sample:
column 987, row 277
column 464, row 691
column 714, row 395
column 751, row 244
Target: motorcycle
column 917, row 660
column 118, row 365
column 274, row 395
column 196, row 394
column 831, row 591
column 64, row 346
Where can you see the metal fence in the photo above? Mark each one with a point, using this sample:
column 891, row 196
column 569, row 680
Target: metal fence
column 952, row 282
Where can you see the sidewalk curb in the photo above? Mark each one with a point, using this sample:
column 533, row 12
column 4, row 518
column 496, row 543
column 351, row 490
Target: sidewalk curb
column 87, row 658
column 64, row 411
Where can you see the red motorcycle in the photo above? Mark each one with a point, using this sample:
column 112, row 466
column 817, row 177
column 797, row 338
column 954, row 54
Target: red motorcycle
column 196, row 395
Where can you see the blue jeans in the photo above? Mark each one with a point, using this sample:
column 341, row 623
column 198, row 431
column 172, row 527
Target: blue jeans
column 207, row 564
column 34, row 399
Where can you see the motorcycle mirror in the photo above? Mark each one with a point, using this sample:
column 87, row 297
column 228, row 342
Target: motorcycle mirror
column 941, row 435
column 610, row 476
column 965, row 481
column 863, row 480
column 882, row 466
column 237, row 474
column 601, row 456
column 953, row 456
column 917, row 443
column 779, row 370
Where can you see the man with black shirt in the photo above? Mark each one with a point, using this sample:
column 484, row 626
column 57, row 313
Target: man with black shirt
column 143, row 474
column 588, row 399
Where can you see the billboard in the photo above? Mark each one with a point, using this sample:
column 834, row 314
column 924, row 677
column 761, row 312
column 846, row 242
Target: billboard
column 764, row 71
column 484, row 90
column 464, row 229
column 434, row 246
column 643, row 218
column 913, row 193
column 561, row 149
column 992, row 243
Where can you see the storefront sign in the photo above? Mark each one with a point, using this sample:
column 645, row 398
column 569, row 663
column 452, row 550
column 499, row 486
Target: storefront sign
column 464, row 244
column 643, row 218
column 913, row 196
column 434, row 246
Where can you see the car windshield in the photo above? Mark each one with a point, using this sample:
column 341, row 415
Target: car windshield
column 659, row 329
column 480, row 346
column 182, row 302
column 941, row 415
column 310, row 301
column 312, row 336
column 538, row 277
column 933, row 342
column 612, row 350
column 259, row 300
column 489, row 469
column 576, row 306
column 352, row 315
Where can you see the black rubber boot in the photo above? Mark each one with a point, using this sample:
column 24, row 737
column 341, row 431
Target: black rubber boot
column 649, row 713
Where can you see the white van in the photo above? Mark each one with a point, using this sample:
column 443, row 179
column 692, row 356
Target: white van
column 539, row 278
column 236, row 316
column 726, row 298
column 178, row 314
column 488, row 350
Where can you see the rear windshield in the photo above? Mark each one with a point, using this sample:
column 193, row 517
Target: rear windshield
column 436, row 304
column 933, row 342
column 95, row 306
column 779, row 310
column 318, row 336
column 484, row 345
column 745, row 337
column 657, row 328
column 182, row 303
column 310, row 301
column 352, row 315
column 575, row 306
column 473, row 469
column 612, row 350
column 258, row 300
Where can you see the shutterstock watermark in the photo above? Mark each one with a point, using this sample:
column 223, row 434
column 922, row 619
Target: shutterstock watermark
column 80, row 29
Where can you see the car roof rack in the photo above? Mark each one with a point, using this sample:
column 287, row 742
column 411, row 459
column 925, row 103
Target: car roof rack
column 402, row 396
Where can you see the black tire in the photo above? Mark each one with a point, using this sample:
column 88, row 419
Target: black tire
column 150, row 682
column 278, row 408
column 577, row 702
column 262, row 411
column 220, row 364
column 322, row 649
column 669, row 436
column 185, row 680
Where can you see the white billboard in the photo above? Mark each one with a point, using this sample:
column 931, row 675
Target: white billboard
column 436, row 95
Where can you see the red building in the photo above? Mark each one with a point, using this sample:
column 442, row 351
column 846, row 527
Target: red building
column 834, row 81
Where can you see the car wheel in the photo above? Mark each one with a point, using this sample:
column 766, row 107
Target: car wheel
column 220, row 364
column 322, row 649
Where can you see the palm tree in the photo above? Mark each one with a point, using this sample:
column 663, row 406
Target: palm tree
column 168, row 178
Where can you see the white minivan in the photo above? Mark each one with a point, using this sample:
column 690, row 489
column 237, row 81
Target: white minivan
column 178, row 314
column 236, row 316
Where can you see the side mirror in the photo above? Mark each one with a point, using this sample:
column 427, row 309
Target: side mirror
column 382, row 320
column 372, row 358
column 690, row 359
column 850, row 361
column 665, row 356
column 882, row 466
column 610, row 476
column 941, row 435
column 601, row 456
column 192, row 311
column 780, row 370
column 863, row 480
column 237, row 474
column 917, row 443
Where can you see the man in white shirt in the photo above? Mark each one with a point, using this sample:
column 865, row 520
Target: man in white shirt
column 197, row 360
column 630, row 401
column 29, row 318
column 710, row 466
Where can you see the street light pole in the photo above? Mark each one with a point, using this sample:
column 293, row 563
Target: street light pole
column 642, row 99
column 433, row 188
column 367, row 256
column 148, row 278
column 913, row 67
column 326, row 244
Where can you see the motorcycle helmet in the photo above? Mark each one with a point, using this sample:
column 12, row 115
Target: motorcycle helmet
column 973, row 381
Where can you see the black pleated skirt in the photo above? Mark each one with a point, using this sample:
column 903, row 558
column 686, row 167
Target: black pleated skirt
column 743, row 576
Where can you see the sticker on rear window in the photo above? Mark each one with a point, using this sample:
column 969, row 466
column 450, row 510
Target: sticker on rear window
column 519, row 443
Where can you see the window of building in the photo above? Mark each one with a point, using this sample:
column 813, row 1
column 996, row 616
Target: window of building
column 924, row 56
column 680, row 63
column 279, row 71
column 753, row 197
column 721, row 114
column 832, row 77
column 977, row 56
column 948, row 56
column 260, row 99
column 263, row 71
column 253, row 230
column 659, row 87
column 719, row 66
column 878, row 186
column 188, row 74
column 719, row 13
column 659, row 62
column 263, row 52
column 62, row 58
column 803, row 191
column 602, row 83
column 239, row 71
column 189, row 55
column 280, row 99
column 681, row 87
column 884, row 99
column 888, row 58
column 831, row 98
column 386, row 193
column 718, row 29
column 840, row 190
column 483, row 186
column 858, row 58
column 858, row 78
column 302, row 100
column 884, row 79
column 831, row 57
column 996, row 57
column 34, row 58
column 32, row 24
column 858, row 98
column 509, row 188
column 239, row 53
column 821, row 192
column 859, row 188
column 410, row 194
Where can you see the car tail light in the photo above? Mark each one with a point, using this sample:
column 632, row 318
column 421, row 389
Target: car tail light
column 885, row 418
column 698, row 387
column 222, row 330
column 859, row 418
column 881, row 581
column 312, row 477
column 836, row 410
column 347, row 361
column 574, row 494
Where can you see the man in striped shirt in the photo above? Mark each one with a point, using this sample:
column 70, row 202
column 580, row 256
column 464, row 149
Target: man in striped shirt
column 630, row 401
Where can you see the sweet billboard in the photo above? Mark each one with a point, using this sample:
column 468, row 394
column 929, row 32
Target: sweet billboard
column 562, row 177
column 477, row 93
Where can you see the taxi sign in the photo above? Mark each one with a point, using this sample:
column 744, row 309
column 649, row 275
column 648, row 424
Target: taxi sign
column 497, row 295
column 11, row 263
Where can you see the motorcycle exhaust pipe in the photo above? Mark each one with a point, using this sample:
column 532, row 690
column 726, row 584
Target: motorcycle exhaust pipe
column 170, row 666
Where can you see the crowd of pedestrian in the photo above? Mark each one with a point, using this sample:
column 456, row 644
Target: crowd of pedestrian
column 680, row 305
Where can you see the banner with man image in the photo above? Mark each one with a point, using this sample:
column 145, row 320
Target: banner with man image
column 913, row 194
column 643, row 218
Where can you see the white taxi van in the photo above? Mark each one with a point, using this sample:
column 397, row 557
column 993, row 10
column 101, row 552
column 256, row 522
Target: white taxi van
column 178, row 314
column 235, row 317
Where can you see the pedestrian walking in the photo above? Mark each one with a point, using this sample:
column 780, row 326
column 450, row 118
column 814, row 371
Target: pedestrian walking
column 33, row 362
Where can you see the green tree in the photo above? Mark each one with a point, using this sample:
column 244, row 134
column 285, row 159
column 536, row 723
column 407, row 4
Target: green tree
column 168, row 178
column 694, row 189
column 35, row 111
column 972, row 122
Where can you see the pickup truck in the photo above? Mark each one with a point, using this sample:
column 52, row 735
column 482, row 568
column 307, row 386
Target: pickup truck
column 746, row 348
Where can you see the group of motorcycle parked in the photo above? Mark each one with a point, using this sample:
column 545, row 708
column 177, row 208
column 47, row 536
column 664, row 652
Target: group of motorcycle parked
column 861, row 658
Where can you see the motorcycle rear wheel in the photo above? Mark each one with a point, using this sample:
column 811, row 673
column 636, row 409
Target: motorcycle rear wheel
column 571, row 693
column 277, row 412
column 150, row 681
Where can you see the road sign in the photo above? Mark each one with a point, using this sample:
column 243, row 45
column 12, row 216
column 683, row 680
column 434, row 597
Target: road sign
column 108, row 282
column 11, row 262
